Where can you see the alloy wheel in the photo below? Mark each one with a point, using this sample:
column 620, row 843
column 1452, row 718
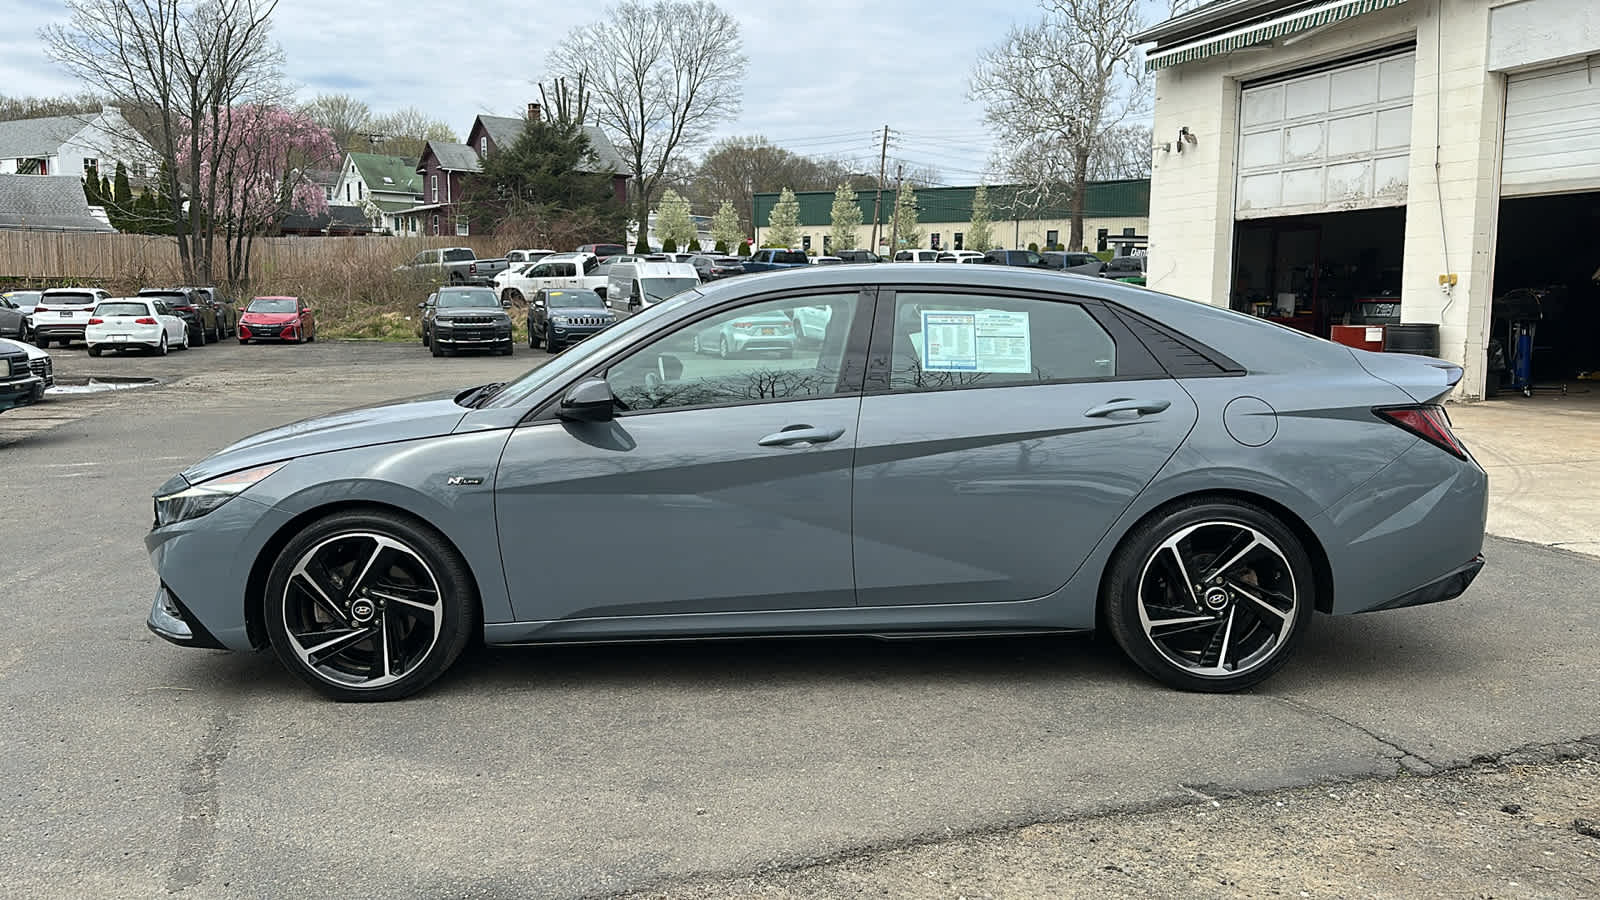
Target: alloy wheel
column 1217, row 599
column 362, row 610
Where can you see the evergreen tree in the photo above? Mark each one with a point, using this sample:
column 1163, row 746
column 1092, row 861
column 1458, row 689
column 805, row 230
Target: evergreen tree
column 721, row 247
column 642, row 245
column 694, row 246
column 846, row 219
column 538, row 178
column 783, row 223
column 105, row 189
column 91, row 187
column 980, row 234
column 673, row 224
column 725, row 227
column 122, row 191
column 903, row 224
column 669, row 246
column 744, row 247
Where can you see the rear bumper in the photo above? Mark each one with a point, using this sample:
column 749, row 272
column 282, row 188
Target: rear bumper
column 1447, row 587
column 65, row 329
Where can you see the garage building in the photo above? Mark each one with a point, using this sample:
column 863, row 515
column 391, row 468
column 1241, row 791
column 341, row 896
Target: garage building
column 1427, row 164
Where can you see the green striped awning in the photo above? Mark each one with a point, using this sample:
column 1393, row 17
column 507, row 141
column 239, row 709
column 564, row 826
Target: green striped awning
column 1263, row 31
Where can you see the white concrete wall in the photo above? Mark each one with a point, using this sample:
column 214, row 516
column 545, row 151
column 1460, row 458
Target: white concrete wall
column 1535, row 32
column 1191, row 205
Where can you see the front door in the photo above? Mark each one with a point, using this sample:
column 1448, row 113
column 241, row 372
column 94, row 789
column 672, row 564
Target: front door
column 999, row 444
column 722, row 485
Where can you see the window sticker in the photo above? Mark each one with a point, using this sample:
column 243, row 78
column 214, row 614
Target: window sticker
column 975, row 341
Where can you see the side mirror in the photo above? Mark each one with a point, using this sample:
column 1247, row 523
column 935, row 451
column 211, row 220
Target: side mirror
column 422, row 305
column 538, row 302
column 590, row 400
column 505, row 304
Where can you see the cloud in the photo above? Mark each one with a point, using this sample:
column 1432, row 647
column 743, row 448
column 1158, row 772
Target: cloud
column 824, row 77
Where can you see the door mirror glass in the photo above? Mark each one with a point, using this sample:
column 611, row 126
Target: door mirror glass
column 505, row 304
column 590, row 400
column 538, row 301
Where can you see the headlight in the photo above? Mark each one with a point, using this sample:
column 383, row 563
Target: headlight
column 443, row 323
column 197, row 500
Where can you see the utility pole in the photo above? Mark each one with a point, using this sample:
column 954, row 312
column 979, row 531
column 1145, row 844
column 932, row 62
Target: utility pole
column 894, row 220
column 877, row 203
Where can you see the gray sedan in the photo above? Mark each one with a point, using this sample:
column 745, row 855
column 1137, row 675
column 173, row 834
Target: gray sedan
column 966, row 450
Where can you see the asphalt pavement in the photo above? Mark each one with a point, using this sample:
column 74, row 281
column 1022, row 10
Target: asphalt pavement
column 129, row 767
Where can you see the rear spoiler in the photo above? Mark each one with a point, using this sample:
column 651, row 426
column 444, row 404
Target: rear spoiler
column 1424, row 379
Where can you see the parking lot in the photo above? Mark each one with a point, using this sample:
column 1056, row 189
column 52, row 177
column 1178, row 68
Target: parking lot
column 134, row 768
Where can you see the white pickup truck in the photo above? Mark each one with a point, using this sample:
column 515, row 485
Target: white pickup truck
column 554, row 272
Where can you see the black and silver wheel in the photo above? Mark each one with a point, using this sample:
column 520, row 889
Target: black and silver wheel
column 161, row 348
column 1210, row 596
column 369, row 606
column 533, row 336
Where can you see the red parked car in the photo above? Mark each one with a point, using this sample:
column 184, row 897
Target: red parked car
column 277, row 319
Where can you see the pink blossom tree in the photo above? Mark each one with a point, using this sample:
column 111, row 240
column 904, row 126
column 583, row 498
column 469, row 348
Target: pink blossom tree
column 256, row 162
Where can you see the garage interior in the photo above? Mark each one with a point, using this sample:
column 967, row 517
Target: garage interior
column 1314, row 272
column 1547, row 258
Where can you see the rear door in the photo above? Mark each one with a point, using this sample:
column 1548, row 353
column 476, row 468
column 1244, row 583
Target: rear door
column 1001, row 435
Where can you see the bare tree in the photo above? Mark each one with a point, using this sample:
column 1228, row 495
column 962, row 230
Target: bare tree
column 736, row 168
column 1054, row 89
column 404, row 132
column 186, row 65
column 1122, row 152
column 346, row 118
column 570, row 107
column 83, row 104
column 661, row 76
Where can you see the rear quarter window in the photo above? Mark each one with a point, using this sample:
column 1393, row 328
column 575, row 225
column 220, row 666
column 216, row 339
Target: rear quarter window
column 459, row 256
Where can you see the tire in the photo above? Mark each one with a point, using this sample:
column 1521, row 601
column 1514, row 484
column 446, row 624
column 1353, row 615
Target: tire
column 424, row 337
column 185, row 344
column 533, row 342
column 311, row 336
column 509, row 349
column 43, row 343
column 94, row 351
column 216, row 334
column 722, row 348
column 198, row 338
column 551, row 346
column 1268, row 591
column 437, row 350
column 399, row 567
column 161, row 348
column 513, row 295
column 243, row 341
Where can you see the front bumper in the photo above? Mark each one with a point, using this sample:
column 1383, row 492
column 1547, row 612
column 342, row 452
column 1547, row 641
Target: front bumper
column 20, row 391
column 573, row 333
column 172, row 621
column 472, row 338
column 204, row 566
column 248, row 332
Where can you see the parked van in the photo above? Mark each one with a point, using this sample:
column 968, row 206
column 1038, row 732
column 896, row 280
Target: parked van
column 916, row 256
column 635, row 285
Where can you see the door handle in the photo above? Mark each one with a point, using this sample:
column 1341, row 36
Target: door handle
column 1124, row 404
column 801, row 435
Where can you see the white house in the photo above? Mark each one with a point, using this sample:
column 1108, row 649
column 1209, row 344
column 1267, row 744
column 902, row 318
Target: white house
column 381, row 186
column 72, row 145
column 1343, row 161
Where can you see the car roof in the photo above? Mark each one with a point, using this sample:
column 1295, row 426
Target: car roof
column 275, row 297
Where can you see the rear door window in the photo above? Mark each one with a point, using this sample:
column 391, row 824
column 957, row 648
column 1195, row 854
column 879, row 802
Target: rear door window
column 943, row 341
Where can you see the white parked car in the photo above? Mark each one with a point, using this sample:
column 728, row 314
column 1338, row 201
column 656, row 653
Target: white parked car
column 916, row 256
column 811, row 323
column 554, row 272
column 640, row 284
column 960, row 256
column 39, row 362
column 63, row 313
column 519, row 257
column 123, row 323
column 826, row 261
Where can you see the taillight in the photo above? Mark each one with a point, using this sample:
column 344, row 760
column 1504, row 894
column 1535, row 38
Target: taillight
column 39, row 309
column 472, row 269
column 144, row 321
column 87, row 309
column 97, row 321
column 1428, row 422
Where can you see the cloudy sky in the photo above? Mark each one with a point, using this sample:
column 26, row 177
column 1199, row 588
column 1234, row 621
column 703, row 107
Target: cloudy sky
column 824, row 77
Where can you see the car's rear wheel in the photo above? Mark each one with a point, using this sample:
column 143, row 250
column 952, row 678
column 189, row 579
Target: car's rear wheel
column 94, row 351
column 369, row 606
column 40, row 341
column 1210, row 595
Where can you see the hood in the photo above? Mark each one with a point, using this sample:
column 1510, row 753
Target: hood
column 268, row 318
column 401, row 420
column 32, row 351
column 457, row 312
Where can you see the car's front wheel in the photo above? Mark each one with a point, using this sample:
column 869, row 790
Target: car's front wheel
column 369, row 605
column 1210, row 595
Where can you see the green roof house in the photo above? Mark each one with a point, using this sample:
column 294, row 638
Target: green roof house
column 380, row 186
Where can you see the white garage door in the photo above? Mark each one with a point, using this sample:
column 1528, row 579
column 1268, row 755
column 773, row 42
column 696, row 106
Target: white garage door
column 1552, row 142
column 1335, row 139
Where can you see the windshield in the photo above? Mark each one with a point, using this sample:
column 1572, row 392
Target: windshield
column 24, row 298
column 122, row 309
column 471, row 299
column 581, row 355
column 558, row 299
column 656, row 289
column 275, row 305
column 459, row 256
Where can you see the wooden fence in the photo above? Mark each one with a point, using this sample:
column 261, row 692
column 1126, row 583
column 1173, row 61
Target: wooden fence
column 123, row 259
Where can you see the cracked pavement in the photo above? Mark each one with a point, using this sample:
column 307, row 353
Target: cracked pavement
column 129, row 767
